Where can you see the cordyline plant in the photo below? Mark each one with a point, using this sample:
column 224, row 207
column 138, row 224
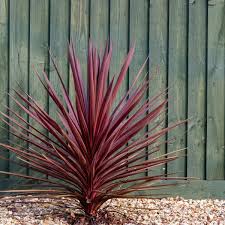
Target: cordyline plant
column 90, row 148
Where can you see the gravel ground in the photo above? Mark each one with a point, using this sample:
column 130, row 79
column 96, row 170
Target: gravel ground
column 177, row 210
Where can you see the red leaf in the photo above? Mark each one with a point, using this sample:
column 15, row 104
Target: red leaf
column 86, row 150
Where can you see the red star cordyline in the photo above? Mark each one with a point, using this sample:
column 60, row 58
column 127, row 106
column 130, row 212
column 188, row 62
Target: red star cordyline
column 86, row 149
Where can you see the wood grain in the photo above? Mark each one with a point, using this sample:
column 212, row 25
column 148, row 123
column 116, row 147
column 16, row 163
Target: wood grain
column 184, row 39
column 158, row 35
column 196, row 89
column 3, row 79
column 215, row 90
column 18, row 64
column 99, row 22
column 139, row 35
column 177, row 77
column 79, row 32
column 119, row 21
column 195, row 189
column 39, row 56
column 59, row 36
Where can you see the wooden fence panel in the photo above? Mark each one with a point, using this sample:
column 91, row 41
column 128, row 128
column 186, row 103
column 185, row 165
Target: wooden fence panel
column 99, row 22
column 184, row 39
column 59, row 36
column 119, row 34
column 139, row 35
column 18, row 63
column 38, row 53
column 79, row 32
column 215, row 90
column 177, row 80
column 158, row 37
column 4, row 71
column 196, row 89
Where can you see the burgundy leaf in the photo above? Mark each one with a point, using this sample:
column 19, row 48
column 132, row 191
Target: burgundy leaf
column 91, row 151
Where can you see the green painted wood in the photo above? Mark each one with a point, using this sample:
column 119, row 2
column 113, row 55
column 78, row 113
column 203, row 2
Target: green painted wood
column 3, row 79
column 58, row 40
column 99, row 22
column 126, row 21
column 59, row 36
column 177, row 75
column 215, row 90
column 119, row 21
column 38, row 54
column 198, row 189
column 196, row 89
column 9, row 183
column 79, row 32
column 139, row 34
column 158, row 32
column 18, row 64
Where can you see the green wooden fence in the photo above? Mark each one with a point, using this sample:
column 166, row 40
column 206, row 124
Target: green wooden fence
column 185, row 39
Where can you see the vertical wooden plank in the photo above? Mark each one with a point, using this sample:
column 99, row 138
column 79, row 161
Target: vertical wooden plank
column 79, row 32
column 38, row 53
column 119, row 27
column 139, row 33
column 196, row 88
column 158, row 19
column 59, row 36
column 99, row 22
column 18, row 56
column 3, row 78
column 215, row 90
column 177, row 77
